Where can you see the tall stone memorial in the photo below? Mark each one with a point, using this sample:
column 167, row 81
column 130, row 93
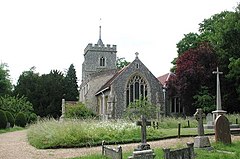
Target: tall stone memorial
column 218, row 110
column 200, row 141
column 63, row 110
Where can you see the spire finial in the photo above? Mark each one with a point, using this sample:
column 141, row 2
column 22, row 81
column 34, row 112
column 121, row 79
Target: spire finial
column 100, row 43
column 100, row 28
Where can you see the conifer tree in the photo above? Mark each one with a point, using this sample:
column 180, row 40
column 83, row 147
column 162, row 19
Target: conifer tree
column 71, row 86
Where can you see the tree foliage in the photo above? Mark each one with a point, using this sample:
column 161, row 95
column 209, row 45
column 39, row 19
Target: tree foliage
column 222, row 32
column 204, row 100
column 16, row 104
column 194, row 69
column 71, row 86
column 5, row 82
column 3, row 120
column 121, row 62
column 44, row 92
column 141, row 107
column 78, row 111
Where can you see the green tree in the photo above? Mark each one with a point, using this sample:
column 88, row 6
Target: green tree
column 16, row 104
column 222, row 32
column 5, row 82
column 28, row 86
column 194, row 69
column 21, row 119
column 3, row 120
column 50, row 92
column 10, row 118
column 204, row 100
column 141, row 107
column 71, row 86
column 121, row 62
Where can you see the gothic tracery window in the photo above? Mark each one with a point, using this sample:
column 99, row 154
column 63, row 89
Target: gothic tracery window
column 136, row 89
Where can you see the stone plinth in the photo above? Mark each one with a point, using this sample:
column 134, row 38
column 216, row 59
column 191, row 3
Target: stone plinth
column 201, row 142
column 216, row 113
column 144, row 154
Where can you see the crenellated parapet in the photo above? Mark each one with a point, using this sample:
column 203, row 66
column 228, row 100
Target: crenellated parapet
column 100, row 48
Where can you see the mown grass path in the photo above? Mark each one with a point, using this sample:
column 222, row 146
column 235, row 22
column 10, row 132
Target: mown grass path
column 14, row 145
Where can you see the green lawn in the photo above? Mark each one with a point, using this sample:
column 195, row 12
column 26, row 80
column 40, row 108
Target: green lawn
column 75, row 133
column 220, row 152
column 15, row 128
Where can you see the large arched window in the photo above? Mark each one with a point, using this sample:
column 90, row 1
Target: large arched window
column 136, row 88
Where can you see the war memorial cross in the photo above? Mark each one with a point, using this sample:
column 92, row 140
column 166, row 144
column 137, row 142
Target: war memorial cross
column 219, row 107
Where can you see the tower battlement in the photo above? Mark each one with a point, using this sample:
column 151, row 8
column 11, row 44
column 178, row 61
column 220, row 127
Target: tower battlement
column 100, row 48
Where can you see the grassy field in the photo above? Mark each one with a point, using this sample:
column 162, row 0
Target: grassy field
column 220, row 151
column 15, row 128
column 81, row 133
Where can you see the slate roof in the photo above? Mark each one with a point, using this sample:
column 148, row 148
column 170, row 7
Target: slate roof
column 107, row 85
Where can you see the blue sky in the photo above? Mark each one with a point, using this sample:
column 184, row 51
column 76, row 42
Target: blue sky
column 52, row 34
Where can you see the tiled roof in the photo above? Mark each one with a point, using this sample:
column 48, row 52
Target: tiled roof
column 164, row 78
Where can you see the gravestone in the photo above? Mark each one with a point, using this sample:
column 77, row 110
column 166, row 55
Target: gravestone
column 184, row 153
column 111, row 152
column 143, row 151
column 143, row 123
column 209, row 120
column 200, row 141
column 222, row 130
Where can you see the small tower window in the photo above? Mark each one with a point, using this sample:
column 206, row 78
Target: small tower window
column 102, row 61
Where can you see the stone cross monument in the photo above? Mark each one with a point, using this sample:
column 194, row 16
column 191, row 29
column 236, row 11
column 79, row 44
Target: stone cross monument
column 218, row 110
column 199, row 115
column 143, row 123
column 200, row 141
column 143, row 151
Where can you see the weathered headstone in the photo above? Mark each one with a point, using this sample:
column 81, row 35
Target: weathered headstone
column 200, row 141
column 209, row 119
column 184, row 153
column 222, row 130
column 111, row 152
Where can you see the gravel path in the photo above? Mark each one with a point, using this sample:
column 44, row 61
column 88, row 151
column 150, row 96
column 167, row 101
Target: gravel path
column 14, row 145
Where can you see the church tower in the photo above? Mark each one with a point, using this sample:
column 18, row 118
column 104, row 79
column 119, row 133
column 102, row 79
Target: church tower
column 98, row 58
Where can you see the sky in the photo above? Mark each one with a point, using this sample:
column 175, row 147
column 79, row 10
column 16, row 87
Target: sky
column 52, row 34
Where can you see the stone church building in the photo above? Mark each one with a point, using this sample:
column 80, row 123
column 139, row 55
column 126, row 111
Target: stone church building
column 108, row 91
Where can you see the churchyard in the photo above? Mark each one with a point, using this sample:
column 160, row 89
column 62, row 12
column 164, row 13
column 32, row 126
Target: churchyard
column 50, row 133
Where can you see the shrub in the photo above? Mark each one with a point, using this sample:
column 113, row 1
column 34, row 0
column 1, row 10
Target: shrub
column 3, row 120
column 79, row 111
column 10, row 118
column 20, row 120
column 32, row 118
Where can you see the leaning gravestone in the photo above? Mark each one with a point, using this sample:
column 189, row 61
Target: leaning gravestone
column 222, row 130
column 200, row 141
